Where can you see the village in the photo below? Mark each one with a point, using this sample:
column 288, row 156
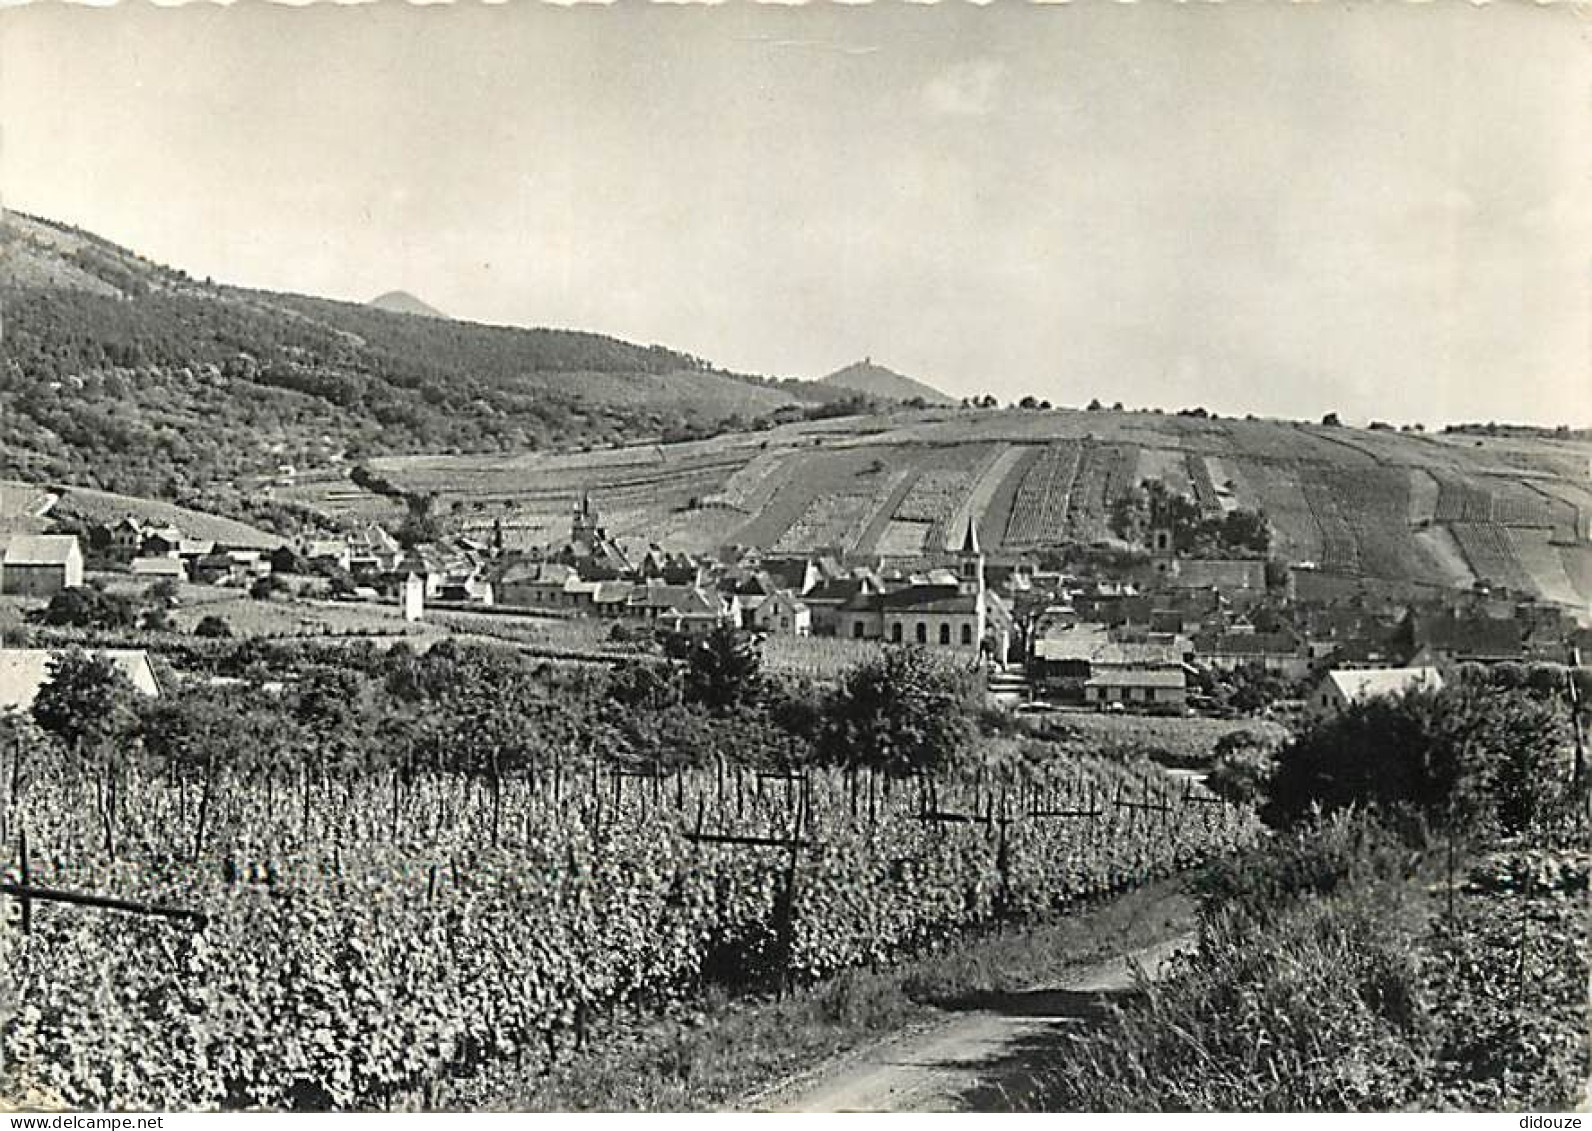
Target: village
column 1155, row 632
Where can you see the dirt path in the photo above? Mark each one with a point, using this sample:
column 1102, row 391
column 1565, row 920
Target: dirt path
column 978, row 1058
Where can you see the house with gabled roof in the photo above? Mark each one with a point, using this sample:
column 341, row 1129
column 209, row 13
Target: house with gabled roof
column 682, row 608
column 1068, row 658
column 1343, row 687
column 1137, row 687
column 160, row 541
column 158, row 567
column 1446, row 638
column 426, row 564
column 783, row 613
column 534, row 585
column 24, row 671
column 1281, row 652
column 40, row 565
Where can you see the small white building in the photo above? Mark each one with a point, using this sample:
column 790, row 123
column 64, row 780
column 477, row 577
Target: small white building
column 414, row 596
column 1341, row 688
column 23, row 671
column 784, row 614
column 154, row 568
column 1161, row 687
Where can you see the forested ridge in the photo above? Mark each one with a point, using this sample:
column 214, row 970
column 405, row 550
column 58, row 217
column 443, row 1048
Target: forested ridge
column 119, row 373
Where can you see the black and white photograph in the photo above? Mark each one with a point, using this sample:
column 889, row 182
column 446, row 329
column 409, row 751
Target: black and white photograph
column 794, row 558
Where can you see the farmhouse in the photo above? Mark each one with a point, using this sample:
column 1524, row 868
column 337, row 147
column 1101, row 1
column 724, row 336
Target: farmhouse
column 1280, row 653
column 23, row 671
column 538, row 585
column 160, row 541
column 120, row 539
column 1138, row 686
column 1066, row 661
column 40, row 565
column 334, row 550
column 160, row 566
column 373, row 551
column 1340, row 688
column 1452, row 639
column 784, row 614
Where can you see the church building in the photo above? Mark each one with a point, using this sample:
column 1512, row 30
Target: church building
column 947, row 610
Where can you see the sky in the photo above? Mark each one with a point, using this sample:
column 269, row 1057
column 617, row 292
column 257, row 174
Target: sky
column 1280, row 209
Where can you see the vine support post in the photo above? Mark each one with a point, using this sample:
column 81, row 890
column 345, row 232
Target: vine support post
column 204, row 807
column 27, row 881
column 1578, row 780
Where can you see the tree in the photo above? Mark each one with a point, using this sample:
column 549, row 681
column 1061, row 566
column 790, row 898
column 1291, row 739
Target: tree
column 86, row 607
column 1243, row 767
column 213, row 627
column 903, row 713
column 724, row 669
column 1028, row 402
column 85, row 701
column 165, row 592
column 419, row 528
column 1460, row 756
column 1094, row 405
column 88, row 704
column 1331, row 420
column 651, row 687
column 1242, row 529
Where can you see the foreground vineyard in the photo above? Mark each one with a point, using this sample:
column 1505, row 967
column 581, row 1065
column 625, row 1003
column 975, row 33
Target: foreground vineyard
column 366, row 936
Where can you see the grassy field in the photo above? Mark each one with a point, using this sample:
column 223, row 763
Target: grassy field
column 293, row 618
column 1182, row 739
column 105, row 506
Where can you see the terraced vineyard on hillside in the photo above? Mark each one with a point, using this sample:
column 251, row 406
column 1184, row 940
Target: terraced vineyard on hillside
column 1434, row 510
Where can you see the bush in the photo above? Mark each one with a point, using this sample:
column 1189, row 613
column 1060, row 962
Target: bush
column 89, row 608
column 213, row 627
column 1322, row 1012
column 1242, row 774
column 1315, row 859
column 1463, row 756
column 165, row 591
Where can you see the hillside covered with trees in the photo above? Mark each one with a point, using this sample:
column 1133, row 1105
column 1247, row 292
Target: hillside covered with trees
column 119, row 373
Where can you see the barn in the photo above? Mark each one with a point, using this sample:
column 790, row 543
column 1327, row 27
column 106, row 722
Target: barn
column 40, row 565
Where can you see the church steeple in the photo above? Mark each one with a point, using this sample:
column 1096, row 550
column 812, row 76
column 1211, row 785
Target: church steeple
column 970, row 563
column 583, row 528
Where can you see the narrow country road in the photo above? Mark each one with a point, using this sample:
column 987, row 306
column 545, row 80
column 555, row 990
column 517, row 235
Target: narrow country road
column 975, row 1059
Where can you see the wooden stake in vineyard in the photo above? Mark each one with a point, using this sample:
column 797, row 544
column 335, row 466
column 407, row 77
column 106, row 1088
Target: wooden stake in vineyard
column 26, row 892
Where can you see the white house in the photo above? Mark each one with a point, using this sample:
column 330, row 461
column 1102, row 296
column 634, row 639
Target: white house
column 1341, row 688
column 23, row 671
column 784, row 614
